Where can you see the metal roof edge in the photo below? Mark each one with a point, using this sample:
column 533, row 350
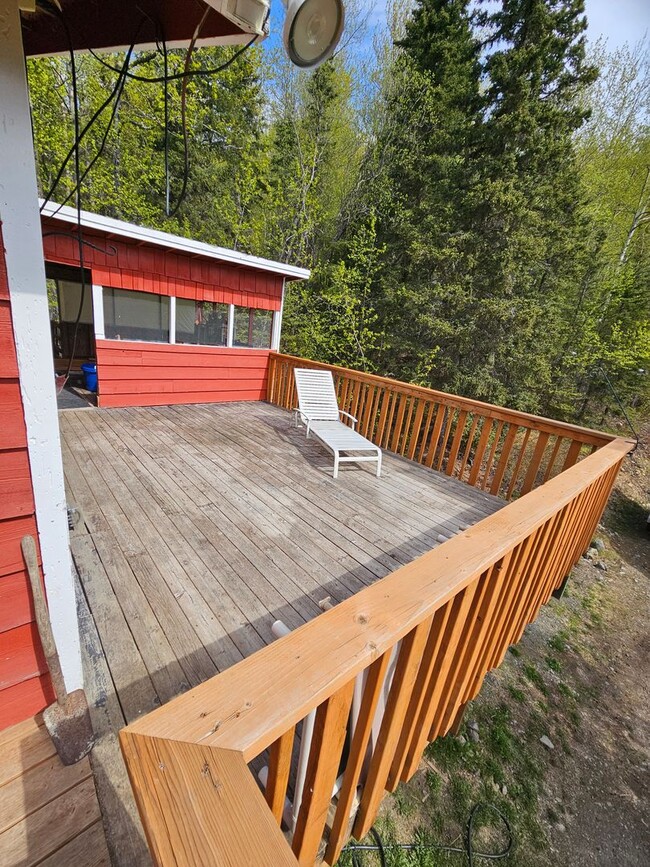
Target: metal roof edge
column 190, row 246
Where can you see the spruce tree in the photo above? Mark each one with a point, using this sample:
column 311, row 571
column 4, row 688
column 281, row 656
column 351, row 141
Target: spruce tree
column 535, row 242
column 416, row 179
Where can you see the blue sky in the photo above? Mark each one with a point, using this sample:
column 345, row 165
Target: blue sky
column 619, row 21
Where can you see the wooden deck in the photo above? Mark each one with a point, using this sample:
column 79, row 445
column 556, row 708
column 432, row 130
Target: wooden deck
column 49, row 813
column 200, row 526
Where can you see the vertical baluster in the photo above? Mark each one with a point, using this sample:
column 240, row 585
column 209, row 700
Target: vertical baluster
column 493, row 450
column 520, row 458
column 322, row 769
column 358, row 747
column 474, row 642
column 455, row 445
column 279, row 768
column 397, row 430
column 441, row 411
column 415, row 431
column 425, row 673
column 386, row 425
column 504, row 459
column 458, row 609
column 533, row 466
column 407, row 668
column 572, row 454
column 551, row 461
column 407, row 425
column 468, row 446
column 477, row 461
column 445, row 438
column 424, row 427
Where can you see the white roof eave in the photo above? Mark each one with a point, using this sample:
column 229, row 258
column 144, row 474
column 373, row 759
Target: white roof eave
column 174, row 242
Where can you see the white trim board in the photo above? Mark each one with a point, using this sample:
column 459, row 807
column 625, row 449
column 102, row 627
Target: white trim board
column 21, row 228
column 171, row 242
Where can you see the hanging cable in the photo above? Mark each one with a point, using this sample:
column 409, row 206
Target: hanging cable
column 186, row 148
column 467, row 849
column 117, row 92
column 192, row 73
column 600, row 367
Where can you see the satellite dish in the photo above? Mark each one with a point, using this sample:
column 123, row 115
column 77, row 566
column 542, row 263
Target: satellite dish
column 312, row 29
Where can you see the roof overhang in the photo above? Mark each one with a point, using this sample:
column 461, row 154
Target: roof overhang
column 113, row 25
column 117, row 229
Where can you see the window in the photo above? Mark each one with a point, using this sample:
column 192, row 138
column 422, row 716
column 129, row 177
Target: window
column 252, row 327
column 202, row 322
column 64, row 294
column 136, row 315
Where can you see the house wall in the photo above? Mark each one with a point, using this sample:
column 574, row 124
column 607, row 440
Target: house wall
column 154, row 374
column 138, row 373
column 149, row 268
column 25, row 686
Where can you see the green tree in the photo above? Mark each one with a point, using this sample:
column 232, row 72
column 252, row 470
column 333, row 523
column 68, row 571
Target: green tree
column 225, row 188
column 534, row 236
column 612, row 320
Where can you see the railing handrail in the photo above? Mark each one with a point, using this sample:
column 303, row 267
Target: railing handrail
column 489, row 410
column 248, row 706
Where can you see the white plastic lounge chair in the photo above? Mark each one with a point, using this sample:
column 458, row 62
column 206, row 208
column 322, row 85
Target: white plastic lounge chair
column 319, row 411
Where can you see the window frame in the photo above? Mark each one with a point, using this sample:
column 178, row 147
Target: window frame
column 99, row 297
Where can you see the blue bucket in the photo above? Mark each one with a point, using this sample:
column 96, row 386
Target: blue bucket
column 90, row 376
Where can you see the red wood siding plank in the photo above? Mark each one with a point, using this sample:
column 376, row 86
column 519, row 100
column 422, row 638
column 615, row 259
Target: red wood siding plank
column 8, row 364
column 18, row 703
column 11, row 532
column 16, row 607
column 12, row 425
column 21, row 655
column 16, row 484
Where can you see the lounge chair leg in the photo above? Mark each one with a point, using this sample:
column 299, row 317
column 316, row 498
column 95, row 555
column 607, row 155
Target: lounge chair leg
column 336, row 466
column 378, row 464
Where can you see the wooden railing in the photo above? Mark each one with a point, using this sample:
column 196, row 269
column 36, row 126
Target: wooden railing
column 384, row 672
column 502, row 451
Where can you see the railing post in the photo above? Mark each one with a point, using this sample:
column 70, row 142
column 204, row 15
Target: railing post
column 200, row 805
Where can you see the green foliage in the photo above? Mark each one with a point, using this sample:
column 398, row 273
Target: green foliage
column 475, row 212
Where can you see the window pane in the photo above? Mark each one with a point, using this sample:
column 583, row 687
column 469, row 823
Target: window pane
column 136, row 315
column 69, row 298
column 201, row 322
column 252, row 327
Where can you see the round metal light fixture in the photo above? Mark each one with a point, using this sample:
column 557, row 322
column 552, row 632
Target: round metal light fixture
column 312, row 29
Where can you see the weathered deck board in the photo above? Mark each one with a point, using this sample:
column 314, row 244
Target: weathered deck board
column 203, row 524
column 47, row 810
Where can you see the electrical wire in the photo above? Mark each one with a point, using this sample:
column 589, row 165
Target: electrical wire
column 116, row 97
column 599, row 367
column 186, row 148
column 192, row 73
column 467, row 849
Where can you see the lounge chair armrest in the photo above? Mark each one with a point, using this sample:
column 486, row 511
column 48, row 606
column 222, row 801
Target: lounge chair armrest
column 343, row 412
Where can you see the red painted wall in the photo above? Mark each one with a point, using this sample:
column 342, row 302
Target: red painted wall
column 150, row 268
column 148, row 374
column 25, row 685
column 155, row 374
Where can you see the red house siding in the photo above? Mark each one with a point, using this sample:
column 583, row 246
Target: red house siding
column 154, row 374
column 150, row 268
column 25, row 685
column 149, row 374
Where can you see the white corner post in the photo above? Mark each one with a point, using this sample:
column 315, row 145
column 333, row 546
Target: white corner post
column 231, row 326
column 172, row 319
column 277, row 323
column 98, row 312
column 21, row 229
